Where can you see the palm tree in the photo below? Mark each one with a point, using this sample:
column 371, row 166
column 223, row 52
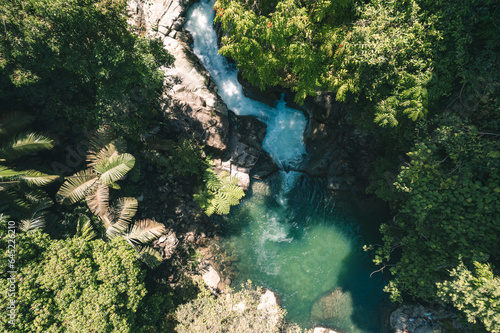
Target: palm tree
column 117, row 222
column 107, row 163
column 18, row 186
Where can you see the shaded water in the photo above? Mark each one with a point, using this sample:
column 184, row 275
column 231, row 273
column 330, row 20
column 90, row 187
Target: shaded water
column 289, row 233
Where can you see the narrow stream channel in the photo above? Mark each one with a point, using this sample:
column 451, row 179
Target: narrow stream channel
column 290, row 233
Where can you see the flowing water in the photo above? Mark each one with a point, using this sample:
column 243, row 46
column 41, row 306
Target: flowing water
column 291, row 234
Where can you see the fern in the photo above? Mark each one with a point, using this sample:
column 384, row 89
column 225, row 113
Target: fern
column 221, row 191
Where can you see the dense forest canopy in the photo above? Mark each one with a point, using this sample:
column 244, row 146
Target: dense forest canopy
column 422, row 76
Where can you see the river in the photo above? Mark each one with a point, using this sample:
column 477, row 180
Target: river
column 290, row 233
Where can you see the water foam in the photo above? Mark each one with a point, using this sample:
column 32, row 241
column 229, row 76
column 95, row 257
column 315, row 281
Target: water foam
column 285, row 125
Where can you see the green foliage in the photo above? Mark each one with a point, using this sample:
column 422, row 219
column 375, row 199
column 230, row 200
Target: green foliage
column 447, row 209
column 78, row 64
column 74, row 285
column 182, row 159
column 236, row 312
column 18, row 185
column 221, row 191
column 475, row 295
column 382, row 54
column 107, row 163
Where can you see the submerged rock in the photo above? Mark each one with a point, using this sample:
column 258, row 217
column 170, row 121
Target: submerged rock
column 335, row 305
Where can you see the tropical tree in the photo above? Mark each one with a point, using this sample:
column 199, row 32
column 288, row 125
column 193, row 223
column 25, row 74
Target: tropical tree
column 77, row 64
column 73, row 285
column 378, row 52
column 474, row 294
column 447, row 210
column 19, row 186
column 107, row 162
column 117, row 222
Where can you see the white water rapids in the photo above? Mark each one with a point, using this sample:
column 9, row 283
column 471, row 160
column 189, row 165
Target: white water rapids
column 285, row 125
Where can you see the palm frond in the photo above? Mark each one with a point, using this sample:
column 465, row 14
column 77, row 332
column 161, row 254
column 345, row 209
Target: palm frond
column 76, row 187
column 85, row 229
column 24, row 144
column 32, row 224
column 101, row 138
column 13, row 122
column 107, row 219
column 212, row 181
column 98, row 200
column 114, row 168
column 7, row 174
column 151, row 257
column 114, row 148
column 37, row 178
column 28, row 177
column 36, row 203
column 144, row 231
column 37, row 199
column 125, row 209
column 115, row 230
column 103, row 145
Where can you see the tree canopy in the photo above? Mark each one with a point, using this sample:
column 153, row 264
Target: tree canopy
column 78, row 64
column 74, row 285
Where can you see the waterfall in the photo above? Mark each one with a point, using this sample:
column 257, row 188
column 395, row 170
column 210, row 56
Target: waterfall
column 291, row 236
column 285, row 125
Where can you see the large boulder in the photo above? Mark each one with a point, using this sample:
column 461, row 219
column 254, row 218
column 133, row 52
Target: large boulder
column 323, row 330
column 269, row 299
column 211, row 278
column 419, row 319
column 157, row 18
column 192, row 103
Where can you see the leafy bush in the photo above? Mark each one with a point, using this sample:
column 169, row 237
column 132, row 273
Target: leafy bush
column 220, row 192
column 447, row 209
column 77, row 64
column 475, row 295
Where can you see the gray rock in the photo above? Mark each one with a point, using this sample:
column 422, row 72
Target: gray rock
column 192, row 106
column 269, row 299
column 211, row 278
column 323, row 330
column 420, row 319
column 244, row 148
column 270, row 303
